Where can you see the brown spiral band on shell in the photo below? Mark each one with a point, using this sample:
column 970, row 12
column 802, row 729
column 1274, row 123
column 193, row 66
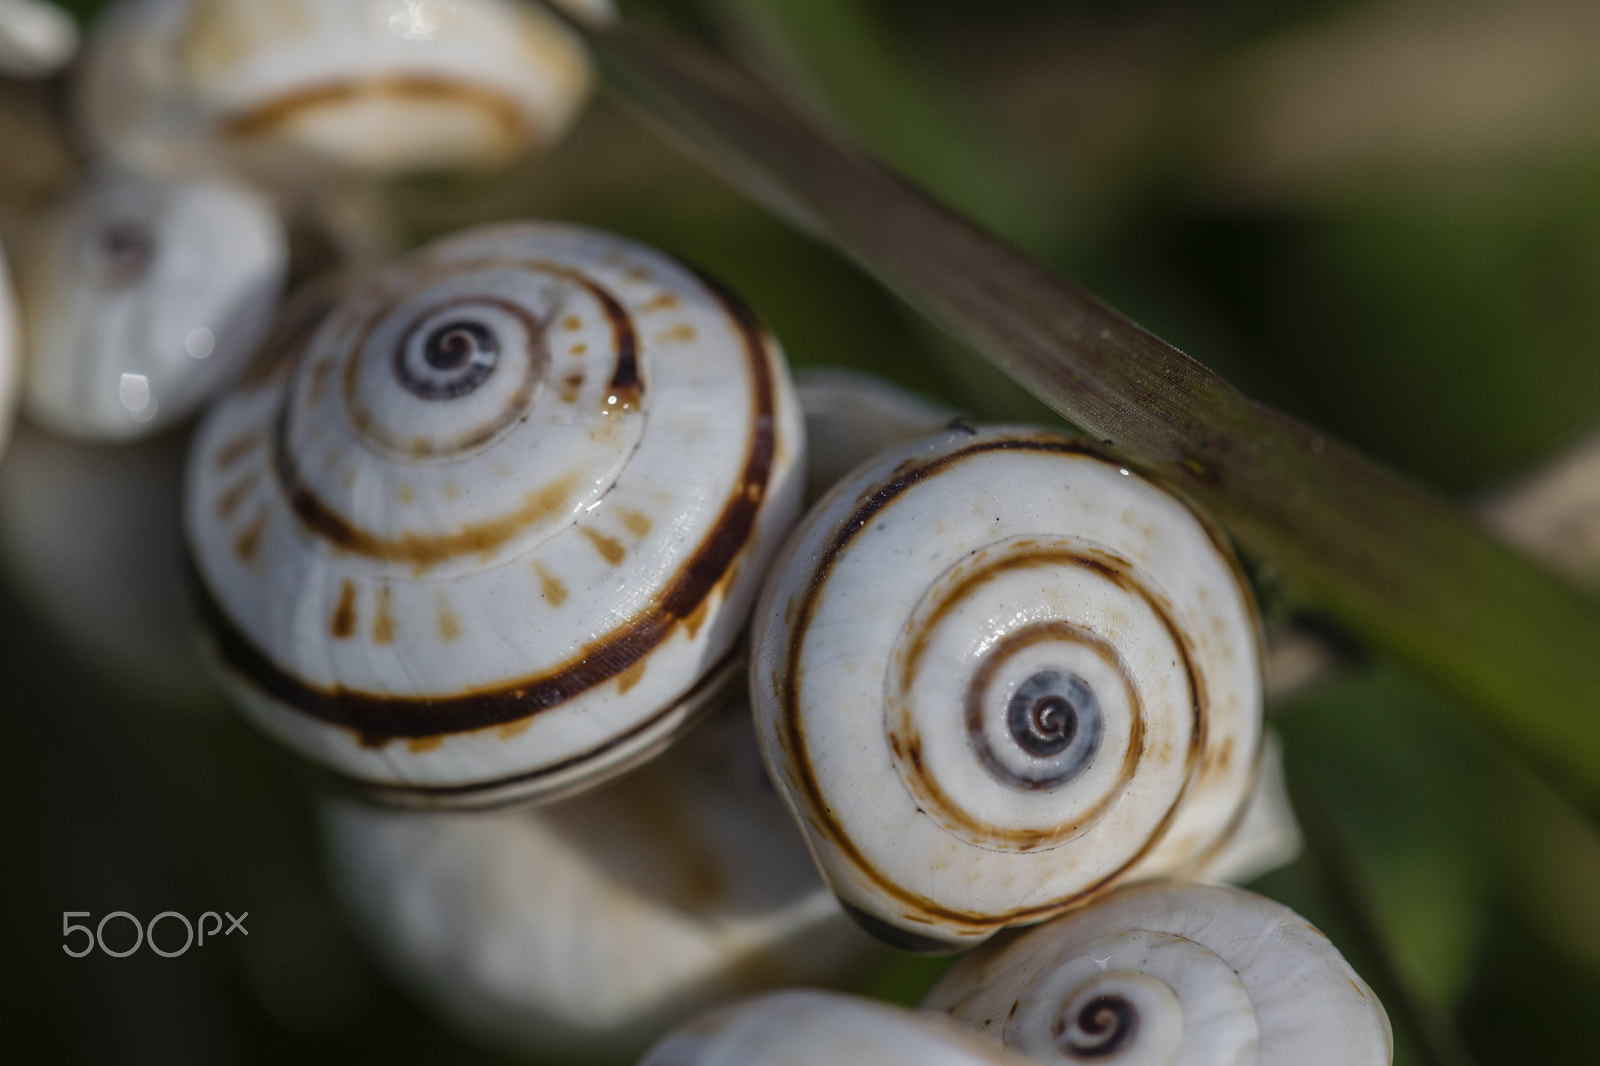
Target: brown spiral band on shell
column 916, row 907
column 1110, row 1022
column 379, row 718
column 273, row 115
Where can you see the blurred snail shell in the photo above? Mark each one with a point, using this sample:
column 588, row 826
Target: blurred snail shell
column 590, row 927
column 36, row 38
column 852, row 416
column 293, row 90
column 144, row 297
column 1175, row 974
column 1265, row 837
column 995, row 674
column 496, row 535
column 804, row 1027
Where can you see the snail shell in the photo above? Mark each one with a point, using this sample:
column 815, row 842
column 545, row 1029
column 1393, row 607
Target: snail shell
column 803, row 1027
column 144, row 297
column 36, row 38
column 1176, row 974
column 590, row 927
column 496, row 535
column 293, row 90
column 995, row 674
column 852, row 416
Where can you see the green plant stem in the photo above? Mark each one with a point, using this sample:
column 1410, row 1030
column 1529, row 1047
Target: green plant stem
column 1392, row 561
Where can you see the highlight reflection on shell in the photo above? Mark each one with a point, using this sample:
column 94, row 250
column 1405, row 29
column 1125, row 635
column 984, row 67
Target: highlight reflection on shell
column 294, row 89
column 496, row 535
column 1186, row 975
column 996, row 674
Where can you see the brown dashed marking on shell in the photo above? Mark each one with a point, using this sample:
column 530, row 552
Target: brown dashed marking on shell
column 344, row 615
column 578, row 350
column 237, row 448
column 317, row 380
column 550, row 585
column 682, row 333
column 449, row 624
column 572, row 323
column 637, row 274
column 697, row 618
column 512, row 730
column 630, row 677
column 407, row 495
column 249, row 540
column 422, row 744
column 383, row 619
column 610, row 548
column 638, row 524
column 570, row 386
column 234, row 496
column 663, row 301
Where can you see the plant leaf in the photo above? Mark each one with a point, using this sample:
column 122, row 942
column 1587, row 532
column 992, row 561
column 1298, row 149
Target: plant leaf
column 1394, row 562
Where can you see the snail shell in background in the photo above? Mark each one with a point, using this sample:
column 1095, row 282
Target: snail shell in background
column 294, row 90
column 590, row 927
column 852, row 416
column 1176, row 974
column 803, row 1027
column 144, row 297
column 497, row 535
column 995, row 674
column 36, row 38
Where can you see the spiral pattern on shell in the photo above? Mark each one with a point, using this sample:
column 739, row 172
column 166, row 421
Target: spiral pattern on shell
column 495, row 535
column 995, row 675
column 1168, row 974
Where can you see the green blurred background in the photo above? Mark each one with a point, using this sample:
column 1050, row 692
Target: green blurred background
column 1382, row 216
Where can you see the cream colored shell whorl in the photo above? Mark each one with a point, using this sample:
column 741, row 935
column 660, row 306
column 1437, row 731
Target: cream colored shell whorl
column 803, row 1027
column 588, row 928
column 1168, row 974
column 995, row 674
column 142, row 298
column 293, row 90
column 497, row 534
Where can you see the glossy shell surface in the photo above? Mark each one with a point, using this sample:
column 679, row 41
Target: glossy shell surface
column 1171, row 974
column 497, row 533
column 588, row 928
column 294, row 89
column 802, row 1027
column 142, row 298
column 995, row 674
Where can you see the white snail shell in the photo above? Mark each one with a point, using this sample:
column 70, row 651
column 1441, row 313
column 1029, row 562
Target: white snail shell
column 804, row 1027
column 852, row 416
column 142, row 298
column 296, row 89
column 588, row 928
column 36, row 37
column 995, row 674
column 1171, row 974
column 497, row 535
column 1264, row 838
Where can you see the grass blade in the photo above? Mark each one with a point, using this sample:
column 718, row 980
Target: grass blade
column 1394, row 562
